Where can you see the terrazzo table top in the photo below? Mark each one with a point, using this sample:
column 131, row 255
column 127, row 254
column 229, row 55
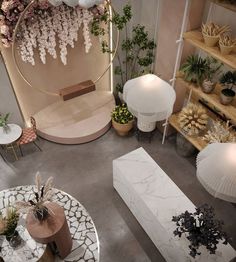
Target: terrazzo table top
column 84, row 235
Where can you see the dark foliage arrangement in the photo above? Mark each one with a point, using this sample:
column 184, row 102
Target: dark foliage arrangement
column 201, row 228
column 229, row 79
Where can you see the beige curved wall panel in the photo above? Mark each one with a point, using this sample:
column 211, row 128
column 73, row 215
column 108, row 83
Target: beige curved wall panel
column 54, row 75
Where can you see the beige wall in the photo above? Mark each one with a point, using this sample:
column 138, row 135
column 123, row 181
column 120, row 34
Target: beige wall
column 54, row 75
column 8, row 101
column 170, row 22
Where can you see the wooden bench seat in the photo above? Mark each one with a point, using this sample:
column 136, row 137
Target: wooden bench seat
column 77, row 90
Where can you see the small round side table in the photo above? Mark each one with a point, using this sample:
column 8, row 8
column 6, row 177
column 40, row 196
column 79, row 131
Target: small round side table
column 8, row 139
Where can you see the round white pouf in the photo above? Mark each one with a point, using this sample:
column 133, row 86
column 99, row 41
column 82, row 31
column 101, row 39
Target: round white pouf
column 216, row 170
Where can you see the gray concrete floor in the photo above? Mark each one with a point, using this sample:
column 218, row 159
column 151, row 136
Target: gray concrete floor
column 85, row 171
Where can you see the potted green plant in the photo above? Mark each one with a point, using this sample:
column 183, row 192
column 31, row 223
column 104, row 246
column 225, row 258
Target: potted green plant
column 4, row 123
column 136, row 54
column 214, row 67
column 195, row 69
column 228, row 80
column 8, row 225
column 122, row 120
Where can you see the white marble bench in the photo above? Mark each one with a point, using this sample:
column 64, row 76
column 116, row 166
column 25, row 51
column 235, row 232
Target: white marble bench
column 154, row 198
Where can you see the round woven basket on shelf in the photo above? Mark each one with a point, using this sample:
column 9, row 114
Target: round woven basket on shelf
column 210, row 40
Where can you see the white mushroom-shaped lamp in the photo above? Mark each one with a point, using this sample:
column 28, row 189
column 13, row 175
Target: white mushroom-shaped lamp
column 216, row 170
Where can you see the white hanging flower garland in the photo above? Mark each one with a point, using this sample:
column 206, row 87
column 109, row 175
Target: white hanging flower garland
column 63, row 23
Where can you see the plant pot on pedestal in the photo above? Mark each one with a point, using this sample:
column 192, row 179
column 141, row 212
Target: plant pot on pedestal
column 52, row 230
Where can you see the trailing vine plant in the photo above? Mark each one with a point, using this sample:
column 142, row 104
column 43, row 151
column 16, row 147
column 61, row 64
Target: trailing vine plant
column 136, row 53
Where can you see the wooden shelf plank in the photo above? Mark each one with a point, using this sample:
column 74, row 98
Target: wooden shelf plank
column 195, row 38
column 225, row 5
column 213, row 101
column 197, row 142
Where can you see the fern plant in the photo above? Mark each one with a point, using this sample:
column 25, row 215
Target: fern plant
column 195, row 69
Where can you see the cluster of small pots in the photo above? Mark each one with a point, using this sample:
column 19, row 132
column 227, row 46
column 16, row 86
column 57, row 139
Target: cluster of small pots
column 226, row 95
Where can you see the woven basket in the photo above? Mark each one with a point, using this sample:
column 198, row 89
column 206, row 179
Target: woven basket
column 210, row 40
column 226, row 50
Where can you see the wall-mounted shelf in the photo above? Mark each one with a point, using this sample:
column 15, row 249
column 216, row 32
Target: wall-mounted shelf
column 212, row 100
column 195, row 38
column 225, row 5
column 197, row 142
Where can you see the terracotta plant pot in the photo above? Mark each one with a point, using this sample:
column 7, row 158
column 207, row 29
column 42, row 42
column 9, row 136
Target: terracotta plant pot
column 226, row 50
column 210, row 40
column 208, row 86
column 122, row 129
column 226, row 96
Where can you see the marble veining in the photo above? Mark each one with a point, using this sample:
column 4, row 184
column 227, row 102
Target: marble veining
column 154, row 198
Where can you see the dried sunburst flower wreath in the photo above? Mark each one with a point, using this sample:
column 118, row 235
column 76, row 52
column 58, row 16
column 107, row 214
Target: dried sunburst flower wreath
column 193, row 119
column 42, row 196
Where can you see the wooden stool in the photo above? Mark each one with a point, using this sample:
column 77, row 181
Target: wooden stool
column 53, row 231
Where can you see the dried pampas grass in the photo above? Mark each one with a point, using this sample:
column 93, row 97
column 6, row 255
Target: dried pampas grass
column 220, row 132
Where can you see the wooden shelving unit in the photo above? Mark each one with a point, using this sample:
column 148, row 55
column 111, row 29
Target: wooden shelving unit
column 195, row 38
column 225, row 5
column 212, row 100
column 197, row 142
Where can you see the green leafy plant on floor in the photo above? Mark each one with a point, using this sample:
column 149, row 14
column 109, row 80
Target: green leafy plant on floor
column 136, row 53
column 121, row 114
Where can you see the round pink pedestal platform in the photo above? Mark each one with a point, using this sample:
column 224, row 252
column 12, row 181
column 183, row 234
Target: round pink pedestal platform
column 76, row 121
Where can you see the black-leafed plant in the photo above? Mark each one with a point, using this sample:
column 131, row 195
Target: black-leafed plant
column 201, row 229
column 228, row 80
column 136, row 54
column 195, row 69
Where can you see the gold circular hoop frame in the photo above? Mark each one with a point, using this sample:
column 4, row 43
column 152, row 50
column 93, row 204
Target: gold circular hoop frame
column 14, row 45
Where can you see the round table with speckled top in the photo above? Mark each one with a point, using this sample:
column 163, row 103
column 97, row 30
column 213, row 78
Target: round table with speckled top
column 84, row 235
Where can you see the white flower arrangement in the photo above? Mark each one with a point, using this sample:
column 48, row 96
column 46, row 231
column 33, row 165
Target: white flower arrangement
column 63, row 23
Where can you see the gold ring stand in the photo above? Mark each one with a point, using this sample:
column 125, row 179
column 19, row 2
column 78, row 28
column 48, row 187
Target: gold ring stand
column 14, row 47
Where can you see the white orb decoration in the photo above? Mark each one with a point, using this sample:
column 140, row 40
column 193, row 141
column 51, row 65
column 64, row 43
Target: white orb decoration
column 90, row 3
column 71, row 3
column 55, row 2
